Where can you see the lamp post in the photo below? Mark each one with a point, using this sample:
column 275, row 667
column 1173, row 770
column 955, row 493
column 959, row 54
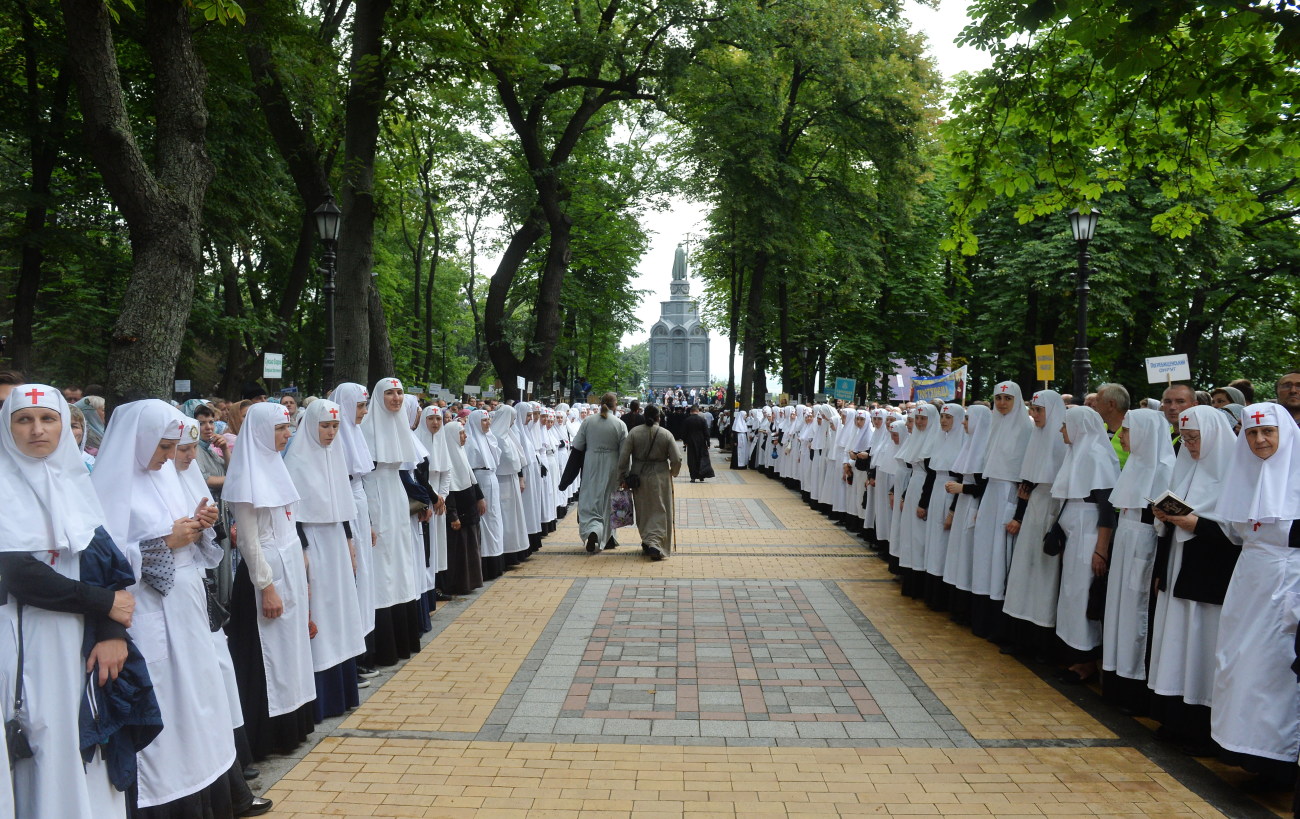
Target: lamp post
column 328, row 219
column 1083, row 224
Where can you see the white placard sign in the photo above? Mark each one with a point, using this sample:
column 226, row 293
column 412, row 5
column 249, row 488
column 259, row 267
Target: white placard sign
column 1167, row 368
column 434, row 389
column 182, row 385
column 473, row 389
column 519, row 381
column 411, row 389
column 273, row 365
column 530, row 387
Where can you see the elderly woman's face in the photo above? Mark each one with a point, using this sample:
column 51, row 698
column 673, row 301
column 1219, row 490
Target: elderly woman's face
column 1263, row 441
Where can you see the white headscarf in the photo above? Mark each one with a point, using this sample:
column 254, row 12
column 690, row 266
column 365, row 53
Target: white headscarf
column 137, row 501
column 922, row 442
column 1091, row 462
column 888, row 461
column 412, row 406
column 1269, row 490
column 192, row 476
column 49, row 503
column 435, row 445
column 481, row 449
column 257, row 474
column 1008, row 436
column 1150, row 464
column 503, row 419
column 879, row 434
column 462, row 477
column 1046, row 449
column 351, row 442
column 320, row 473
column 388, row 434
column 950, row 442
column 861, row 438
column 1199, row 481
column 970, row 460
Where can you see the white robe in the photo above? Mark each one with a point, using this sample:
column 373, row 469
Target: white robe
column 1128, row 597
column 1184, row 634
column 394, row 575
column 1035, row 576
column 991, row 553
column 334, row 607
column 365, row 556
column 1079, row 520
column 958, row 564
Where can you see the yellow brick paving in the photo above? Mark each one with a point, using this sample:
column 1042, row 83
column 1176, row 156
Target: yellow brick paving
column 455, row 682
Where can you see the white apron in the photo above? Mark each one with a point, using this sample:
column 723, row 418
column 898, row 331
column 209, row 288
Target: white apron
column 514, row 529
column 991, row 552
column 491, row 527
column 286, row 653
column 937, row 537
column 221, row 648
column 911, row 534
column 365, row 556
column 1128, row 597
column 742, row 450
column 334, row 607
column 196, row 745
column 1079, row 520
column 1183, row 637
column 1256, row 696
column 1035, row 576
column 959, row 562
column 880, row 499
column 52, row 784
column 394, row 575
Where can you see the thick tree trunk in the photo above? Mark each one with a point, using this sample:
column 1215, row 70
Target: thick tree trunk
column 508, row 367
column 354, row 309
column 162, row 204
column 753, row 331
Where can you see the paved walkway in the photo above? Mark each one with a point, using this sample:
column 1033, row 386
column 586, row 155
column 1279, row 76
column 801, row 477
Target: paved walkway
column 769, row 667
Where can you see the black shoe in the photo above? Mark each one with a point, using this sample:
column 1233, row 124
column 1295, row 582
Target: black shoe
column 366, row 672
column 656, row 555
column 593, row 540
column 645, row 550
column 441, row 596
column 251, row 773
column 259, row 807
column 611, row 544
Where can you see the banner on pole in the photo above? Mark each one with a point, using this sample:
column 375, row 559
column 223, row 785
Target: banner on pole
column 1045, row 362
column 1168, row 368
column 947, row 387
column 273, row 365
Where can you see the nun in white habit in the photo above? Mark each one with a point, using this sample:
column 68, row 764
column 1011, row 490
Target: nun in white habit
column 318, row 467
column 993, row 544
column 191, row 767
column 465, row 509
column 968, row 488
column 940, row 505
column 857, row 452
column 900, row 477
column 1125, row 628
column 510, row 481
column 740, row 426
column 1035, row 576
column 1191, row 586
column 354, row 402
column 51, row 514
column 1083, row 484
column 269, row 617
column 885, row 472
column 484, row 456
column 435, row 475
column 533, row 490
column 911, row 534
column 398, row 581
column 1256, row 709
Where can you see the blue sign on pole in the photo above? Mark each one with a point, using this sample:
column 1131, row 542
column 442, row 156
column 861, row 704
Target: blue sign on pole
column 845, row 388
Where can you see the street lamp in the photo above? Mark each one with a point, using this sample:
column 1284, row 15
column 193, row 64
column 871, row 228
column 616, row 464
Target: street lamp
column 328, row 219
column 1083, row 224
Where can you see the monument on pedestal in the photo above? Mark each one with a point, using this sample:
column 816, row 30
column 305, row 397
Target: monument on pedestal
column 679, row 341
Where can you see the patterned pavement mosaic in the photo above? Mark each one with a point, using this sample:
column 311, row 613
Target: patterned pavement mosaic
column 769, row 667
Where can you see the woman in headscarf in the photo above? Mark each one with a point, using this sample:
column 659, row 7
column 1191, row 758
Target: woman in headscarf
column 318, row 466
column 533, row 489
column 897, row 474
column 1035, row 576
column 398, row 581
column 92, row 406
column 805, row 432
column 191, row 769
column 991, row 554
column 651, row 453
column 484, row 456
column 465, row 508
column 1084, row 485
column 269, row 617
column 51, row 514
column 857, row 460
column 911, row 534
column 510, row 481
column 937, row 529
column 877, row 434
column 601, row 438
column 434, row 474
column 966, row 490
column 1192, row 582
column 840, row 481
column 354, row 402
column 740, row 429
column 1256, row 711
column 1125, row 627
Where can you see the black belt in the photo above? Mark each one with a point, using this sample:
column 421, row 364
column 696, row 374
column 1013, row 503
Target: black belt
column 482, row 469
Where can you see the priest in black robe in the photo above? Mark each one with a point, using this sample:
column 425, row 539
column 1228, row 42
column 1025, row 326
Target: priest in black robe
column 695, row 434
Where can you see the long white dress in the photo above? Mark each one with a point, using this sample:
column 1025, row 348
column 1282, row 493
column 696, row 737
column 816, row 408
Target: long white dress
column 1128, row 597
column 1079, row 520
column 394, row 570
column 334, row 606
column 1256, row 698
column 959, row 561
column 991, row 552
column 1184, row 634
column 1035, row 576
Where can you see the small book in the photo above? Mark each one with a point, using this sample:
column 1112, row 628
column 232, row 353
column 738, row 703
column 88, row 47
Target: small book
column 1171, row 504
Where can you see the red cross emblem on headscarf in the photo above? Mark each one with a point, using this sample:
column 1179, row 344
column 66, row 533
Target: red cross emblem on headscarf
column 180, row 426
column 394, row 380
column 34, row 394
column 1004, row 387
column 1257, row 415
column 1035, row 398
column 286, row 513
column 1185, row 419
column 286, row 415
column 335, row 413
column 1255, row 528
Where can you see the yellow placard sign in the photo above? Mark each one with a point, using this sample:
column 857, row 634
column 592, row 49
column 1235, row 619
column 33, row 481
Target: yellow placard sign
column 1045, row 362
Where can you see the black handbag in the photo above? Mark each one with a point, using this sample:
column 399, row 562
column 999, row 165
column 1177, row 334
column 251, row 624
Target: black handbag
column 15, row 735
column 1097, row 598
column 1054, row 540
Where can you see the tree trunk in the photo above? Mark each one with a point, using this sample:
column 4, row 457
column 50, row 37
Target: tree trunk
column 357, row 304
column 753, row 331
column 498, row 345
column 163, row 203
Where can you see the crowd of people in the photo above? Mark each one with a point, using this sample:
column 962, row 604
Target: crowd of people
column 1152, row 547
column 189, row 589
